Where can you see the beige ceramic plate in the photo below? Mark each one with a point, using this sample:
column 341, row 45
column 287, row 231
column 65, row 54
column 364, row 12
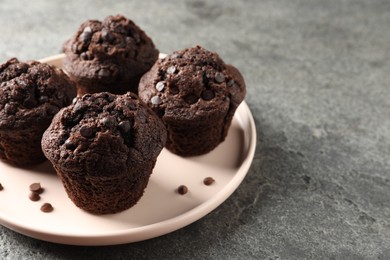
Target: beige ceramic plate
column 161, row 210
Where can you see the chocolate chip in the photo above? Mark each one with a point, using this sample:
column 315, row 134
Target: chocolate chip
column 85, row 56
column 87, row 97
column 160, row 86
column 130, row 104
column 171, row 70
column 79, row 106
column 34, row 196
column 43, row 99
column 174, row 90
column 69, row 145
column 52, row 109
column 86, row 34
column 176, row 56
column 1, row 187
column 104, row 72
column 86, row 131
column 124, row 126
column 107, row 36
column 10, row 108
column 108, row 121
column 60, row 94
column 182, row 189
column 208, row 94
column 230, row 83
column 29, row 102
column 156, row 100
column 208, row 181
column 219, row 77
column 191, row 99
column 46, row 207
column 36, row 187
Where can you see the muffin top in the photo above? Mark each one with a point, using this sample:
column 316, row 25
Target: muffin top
column 103, row 134
column 32, row 93
column 191, row 84
column 109, row 50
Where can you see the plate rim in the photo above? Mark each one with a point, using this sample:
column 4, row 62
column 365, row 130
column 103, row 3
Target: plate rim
column 157, row 229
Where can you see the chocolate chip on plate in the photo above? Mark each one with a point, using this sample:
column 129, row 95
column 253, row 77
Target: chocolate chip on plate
column 36, row 187
column 182, row 189
column 1, row 187
column 47, row 207
column 208, row 181
column 34, row 196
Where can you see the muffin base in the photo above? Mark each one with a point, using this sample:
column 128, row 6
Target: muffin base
column 22, row 147
column 105, row 195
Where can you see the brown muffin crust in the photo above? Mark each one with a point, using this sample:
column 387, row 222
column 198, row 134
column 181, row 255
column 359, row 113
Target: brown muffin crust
column 104, row 148
column 109, row 55
column 31, row 93
column 196, row 94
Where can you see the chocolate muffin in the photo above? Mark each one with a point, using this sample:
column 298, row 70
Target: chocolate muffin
column 31, row 93
column 104, row 148
column 196, row 95
column 111, row 55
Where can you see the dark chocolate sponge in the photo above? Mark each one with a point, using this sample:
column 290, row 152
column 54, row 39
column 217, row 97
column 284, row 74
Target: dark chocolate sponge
column 111, row 55
column 31, row 94
column 196, row 95
column 104, row 147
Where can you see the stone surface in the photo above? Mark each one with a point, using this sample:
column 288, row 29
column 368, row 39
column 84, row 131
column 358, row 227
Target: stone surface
column 318, row 76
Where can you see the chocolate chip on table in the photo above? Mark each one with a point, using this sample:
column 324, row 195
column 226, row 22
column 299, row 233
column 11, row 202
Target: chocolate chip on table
column 219, row 77
column 160, row 86
column 36, row 187
column 47, row 207
column 86, row 131
column 191, row 99
column 208, row 94
column 182, row 189
column 208, row 181
column 34, row 196
column 124, row 126
column 171, row 70
column 156, row 100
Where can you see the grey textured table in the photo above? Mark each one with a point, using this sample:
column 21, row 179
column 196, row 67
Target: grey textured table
column 318, row 79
